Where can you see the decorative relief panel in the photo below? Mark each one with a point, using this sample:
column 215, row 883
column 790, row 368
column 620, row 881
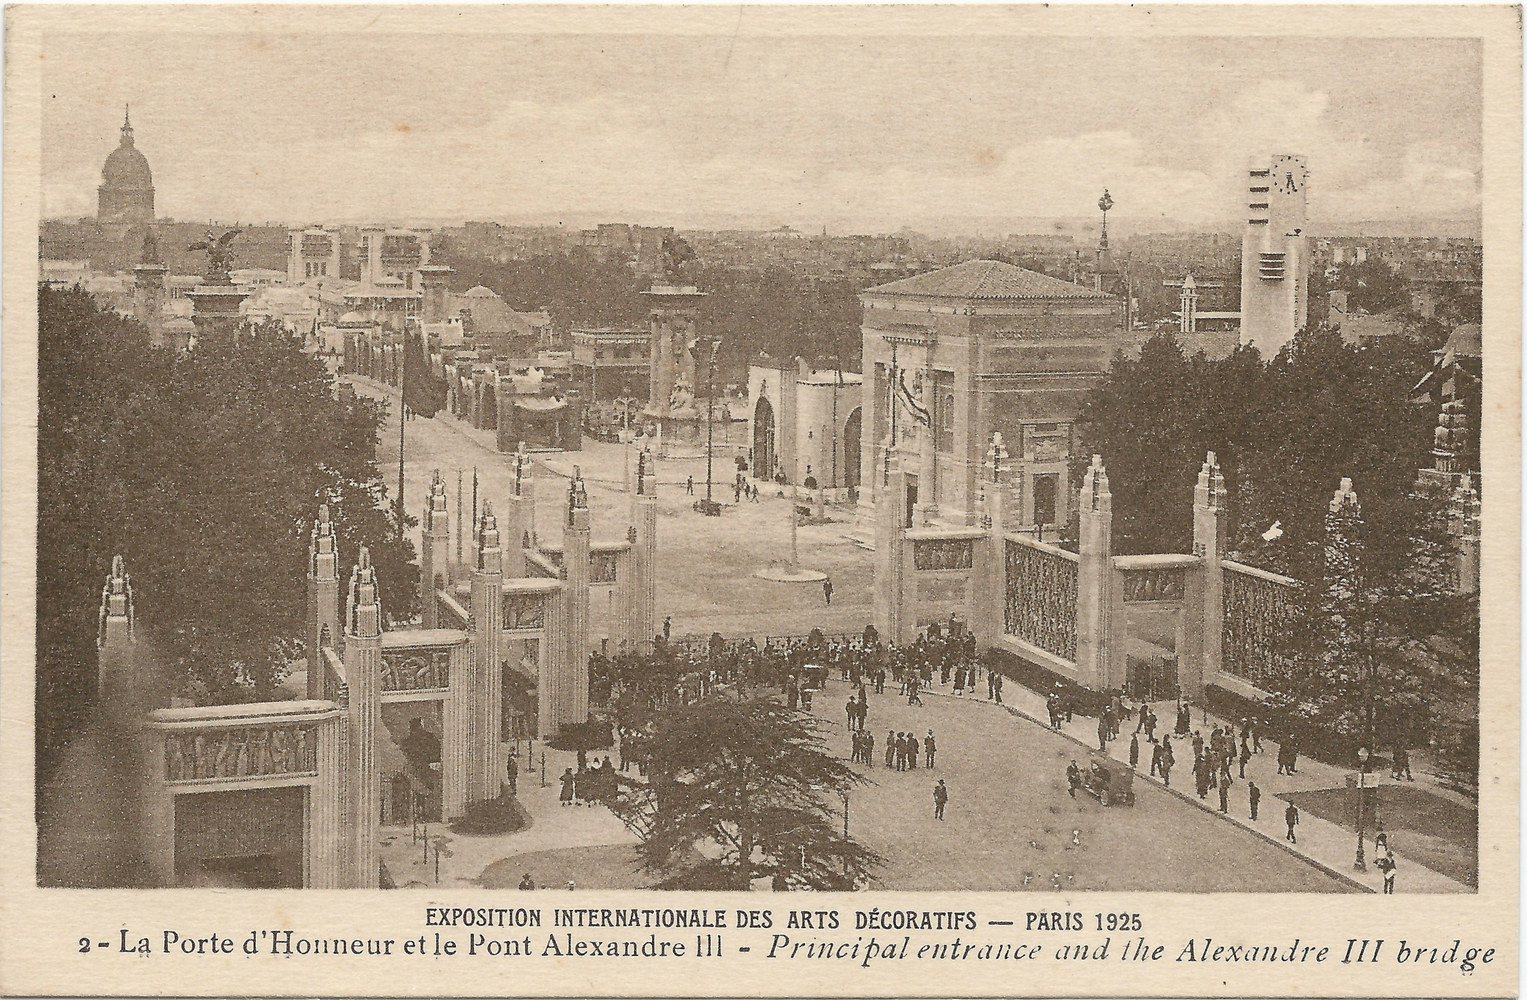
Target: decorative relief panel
column 1040, row 605
column 1153, row 585
column 524, row 611
column 416, row 669
column 941, row 553
column 240, row 752
column 1258, row 614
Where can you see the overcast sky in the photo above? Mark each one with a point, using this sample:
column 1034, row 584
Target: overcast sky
column 862, row 134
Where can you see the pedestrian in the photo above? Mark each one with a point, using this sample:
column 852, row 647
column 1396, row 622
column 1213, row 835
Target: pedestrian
column 1145, row 711
column 1245, row 754
column 996, row 680
column 1256, row 735
column 527, row 882
column 667, row 627
column 1103, row 732
column 512, row 772
column 1402, row 764
column 827, row 590
column 1150, row 723
column 1073, row 778
column 890, row 747
column 1386, row 865
column 929, row 747
column 1155, row 757
column 1291, row 819
column 867, row 751
column 1255, row 794
column 689, row 486
column 852, row 708
column 1134, row 749
column 565, row 796
column 940, row 799
column 1224, row 797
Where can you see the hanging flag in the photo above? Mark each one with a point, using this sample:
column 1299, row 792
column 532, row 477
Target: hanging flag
column 918, row 411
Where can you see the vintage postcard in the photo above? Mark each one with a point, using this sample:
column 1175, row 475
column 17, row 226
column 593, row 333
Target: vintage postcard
column 761, row 501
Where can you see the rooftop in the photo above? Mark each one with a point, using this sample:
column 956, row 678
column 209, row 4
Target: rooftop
column 986, row 279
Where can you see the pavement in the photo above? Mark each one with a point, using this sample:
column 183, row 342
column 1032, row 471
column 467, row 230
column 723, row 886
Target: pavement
column 1327, row 844
column 707, row 582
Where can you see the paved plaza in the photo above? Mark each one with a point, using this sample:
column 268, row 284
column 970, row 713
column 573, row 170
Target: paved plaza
column 1010, row 823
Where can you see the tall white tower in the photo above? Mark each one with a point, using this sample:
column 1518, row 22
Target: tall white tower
column 1274, row 258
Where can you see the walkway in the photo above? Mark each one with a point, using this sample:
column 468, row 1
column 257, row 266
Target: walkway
column 1328, row 844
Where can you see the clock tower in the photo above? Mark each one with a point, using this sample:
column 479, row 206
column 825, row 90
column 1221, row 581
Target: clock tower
column 1274, row 254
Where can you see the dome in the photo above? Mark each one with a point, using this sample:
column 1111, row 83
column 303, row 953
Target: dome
column 126, row 168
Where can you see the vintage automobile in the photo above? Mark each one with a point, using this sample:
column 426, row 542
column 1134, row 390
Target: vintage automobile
column 1110, row 781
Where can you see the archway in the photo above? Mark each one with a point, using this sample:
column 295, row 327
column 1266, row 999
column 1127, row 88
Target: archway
column 852, row 428
column 763, row 439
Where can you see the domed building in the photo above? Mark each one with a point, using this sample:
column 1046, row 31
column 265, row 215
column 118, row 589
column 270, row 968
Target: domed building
column 126, row 193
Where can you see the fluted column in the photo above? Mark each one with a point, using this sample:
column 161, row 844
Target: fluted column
column 363, row 666
column 1094, row 585
column 455, row 747
column 325, row 837
column 642, row 622
column 117, row 700
column 1204, row 605
column 573, row 706
column 890, row 561
column 156, row 815
column 487, row 656
column 519, row 515
column 323, row 598
column 989, row 586
column 435, row 554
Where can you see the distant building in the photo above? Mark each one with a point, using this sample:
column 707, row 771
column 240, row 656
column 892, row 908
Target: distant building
column 806, row 424
column 126, row 194
column 974, row 348
column 1274, row 255
column 611, row 363
column 1214, row 332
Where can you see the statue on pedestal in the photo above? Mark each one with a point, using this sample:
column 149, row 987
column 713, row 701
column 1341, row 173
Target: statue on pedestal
column 219, row 252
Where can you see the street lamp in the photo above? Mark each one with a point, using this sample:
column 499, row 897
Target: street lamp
column 710, row 413
column 1361, row 784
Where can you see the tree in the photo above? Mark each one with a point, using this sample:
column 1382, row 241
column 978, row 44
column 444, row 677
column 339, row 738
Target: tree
column 205, row 471
column 743, row 790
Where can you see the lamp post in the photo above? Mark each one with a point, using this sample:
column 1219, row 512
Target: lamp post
column 710, row 413
column 844, row 796
column 1362, row 772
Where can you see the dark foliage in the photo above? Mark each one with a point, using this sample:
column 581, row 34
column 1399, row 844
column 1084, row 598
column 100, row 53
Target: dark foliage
column 204, row 471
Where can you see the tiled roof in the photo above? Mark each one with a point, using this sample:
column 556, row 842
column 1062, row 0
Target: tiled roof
column 987, row 279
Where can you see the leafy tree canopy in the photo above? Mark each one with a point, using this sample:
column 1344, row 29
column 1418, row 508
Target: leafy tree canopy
column 743, row 790
column 204, row 470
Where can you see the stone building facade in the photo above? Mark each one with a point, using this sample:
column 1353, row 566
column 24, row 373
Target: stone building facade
column 953, row 355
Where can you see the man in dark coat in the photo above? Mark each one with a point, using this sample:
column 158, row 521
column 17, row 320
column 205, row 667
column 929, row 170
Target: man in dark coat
column 1255, row 794
column 929, row 748
column 940, row 799
column 1291, row 818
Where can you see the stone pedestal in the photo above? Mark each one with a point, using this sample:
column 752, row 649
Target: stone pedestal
column 215, row 311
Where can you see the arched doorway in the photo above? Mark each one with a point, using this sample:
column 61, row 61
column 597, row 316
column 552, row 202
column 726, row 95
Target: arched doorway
column 763, row 439
column 851, row 433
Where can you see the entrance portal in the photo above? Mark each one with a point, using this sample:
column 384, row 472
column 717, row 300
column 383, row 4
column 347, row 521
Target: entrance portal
column 852, row 429
column 764, row 458
column 246, row 839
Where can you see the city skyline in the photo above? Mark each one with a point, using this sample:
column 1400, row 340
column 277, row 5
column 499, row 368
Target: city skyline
column 754, row 131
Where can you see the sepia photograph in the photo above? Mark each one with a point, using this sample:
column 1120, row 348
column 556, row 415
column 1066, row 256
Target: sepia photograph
column 513, row 449
column 771, row 506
